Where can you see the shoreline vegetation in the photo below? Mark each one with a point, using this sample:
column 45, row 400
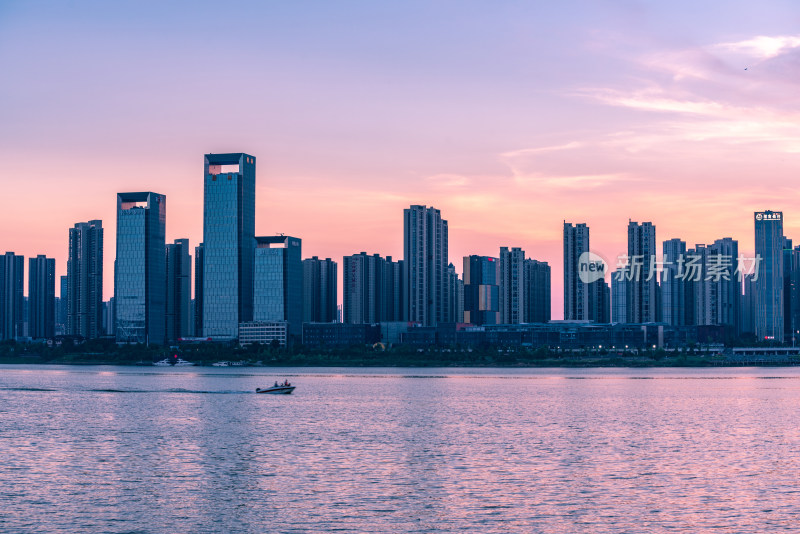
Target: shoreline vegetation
column 106, row 352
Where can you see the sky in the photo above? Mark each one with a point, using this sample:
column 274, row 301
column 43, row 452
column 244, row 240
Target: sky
column 510, row 117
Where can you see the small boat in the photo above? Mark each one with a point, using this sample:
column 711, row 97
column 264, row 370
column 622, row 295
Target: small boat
column 285, row 389
column 174, row 362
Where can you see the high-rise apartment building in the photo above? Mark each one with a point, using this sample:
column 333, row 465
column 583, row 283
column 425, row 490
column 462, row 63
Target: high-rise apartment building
column 320, row 291
column 41, row 297
column 139, row 270
column 278, row 282
column 512, row 285
column 642, row 286
column 537, row 291
column 229, row 210
column 394, row 293
column 425, row 256
column 675, row 289
column 481, row 290
column 179, row 319
column 364, row 288
column 12, row 318
column 576, row 292
column 85, row 280
column 769, row 242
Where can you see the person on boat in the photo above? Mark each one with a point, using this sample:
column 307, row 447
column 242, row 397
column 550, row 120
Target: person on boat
column 276, row 384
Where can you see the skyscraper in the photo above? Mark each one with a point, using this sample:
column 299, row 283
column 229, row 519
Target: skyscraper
column 576, row 292
column 512, row 285
column 139, row 270
column 791, row 292
column 747, row 323
column 12, row 273
column 41, row 297
column 600, row 301
column 769, row 284
column 455, row 295
column 229, row 210
column 675, row 291
column 85, row 280
column 198, row 290
column 537, row 291
column 425, row 256
column 61, row 322
column 619, row 300
column 394, row 294
column 481, row 290
column 320, row 292
column 722, row 272
column 278, row 282
column 179, row 290
column 362, row 288
column 642, row 287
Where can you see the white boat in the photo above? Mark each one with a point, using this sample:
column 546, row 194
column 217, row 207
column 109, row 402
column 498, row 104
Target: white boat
column 174, row 362
column 285, row 389
column 221, row 364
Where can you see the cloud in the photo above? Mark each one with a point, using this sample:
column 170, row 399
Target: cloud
column 761, row 47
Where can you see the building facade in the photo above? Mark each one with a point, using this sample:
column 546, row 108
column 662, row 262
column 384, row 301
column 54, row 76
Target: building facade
column 642, row 286
column 264, row 333
column 85, row 280
column 576, row 292
column 619, row 297
column 197, row 303
column 320, row 290
column 675, row 289
column 363, row 285
column 41, row 297
column 537, row 291
column 769, row 241
column 425, row 255
column 179, row 319
column 278, row 282
column 140, row 270
column 512, row 285
column 229, row 211
column 12, row 274
column 481, row 290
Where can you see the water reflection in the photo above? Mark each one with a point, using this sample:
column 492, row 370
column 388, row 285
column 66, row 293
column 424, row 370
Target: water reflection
column 119, row 450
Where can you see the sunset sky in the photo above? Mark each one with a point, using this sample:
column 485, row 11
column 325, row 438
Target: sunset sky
column 510, row 117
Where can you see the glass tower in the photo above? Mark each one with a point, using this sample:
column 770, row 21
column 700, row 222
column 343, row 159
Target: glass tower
column 769, row 284
column 229, row 212
column 139, row 270
column 278, row 282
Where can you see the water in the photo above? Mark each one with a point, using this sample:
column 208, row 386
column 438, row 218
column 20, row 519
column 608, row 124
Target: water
column 116, row 449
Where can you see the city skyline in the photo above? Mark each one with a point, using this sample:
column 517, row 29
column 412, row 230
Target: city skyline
column 509, row 120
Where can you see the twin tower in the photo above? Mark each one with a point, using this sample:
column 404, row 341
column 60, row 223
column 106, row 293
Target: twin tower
column 140, row 275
